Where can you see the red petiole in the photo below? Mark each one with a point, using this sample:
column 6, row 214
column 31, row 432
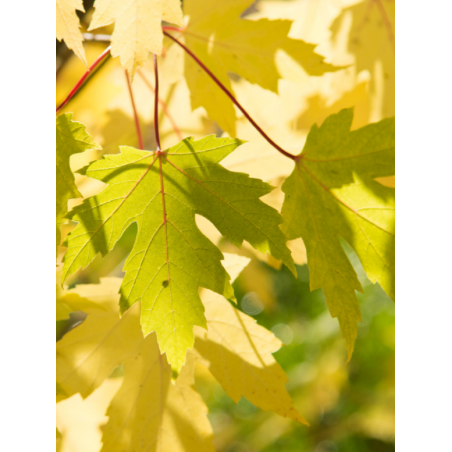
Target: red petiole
column 206, row 70
column 101, row 57
column 231, row 96
column 135, row 113
column 156, row 103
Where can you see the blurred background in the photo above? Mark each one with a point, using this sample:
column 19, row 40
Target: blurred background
column 350, row 406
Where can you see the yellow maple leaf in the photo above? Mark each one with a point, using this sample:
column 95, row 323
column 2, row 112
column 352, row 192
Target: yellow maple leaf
column 90, row 353
column 138, row 28
column 150, row 408
column 138, row 414
column 226, row 43
column 371, row 41
column 68, row 26
column 78, row 420
column 238, row 352
column 150, row 411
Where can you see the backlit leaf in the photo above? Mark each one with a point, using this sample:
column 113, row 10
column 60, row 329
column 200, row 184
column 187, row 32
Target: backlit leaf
column 90, row 352
column 150, row 410
column 238, row 352
column 138, row 27
column 68, row 26
column 331, row 194
column 225, row 42
column 371, row 41
column 171, row 258
column 71, row 138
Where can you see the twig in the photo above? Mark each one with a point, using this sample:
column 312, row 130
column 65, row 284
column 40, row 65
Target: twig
column 231, row 96
column 163, row 105
column 135, row 113
column 104, row 54
column 156, row 103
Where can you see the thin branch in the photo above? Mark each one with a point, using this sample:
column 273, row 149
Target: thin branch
column 233, row 99
column 213, row 77
column 101, row 57
column 135, row 113
column 163, row 105
column 156, row 103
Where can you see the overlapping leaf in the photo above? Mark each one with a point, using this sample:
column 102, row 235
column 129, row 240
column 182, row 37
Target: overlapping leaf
column 152, row 411
column 148, row 408
column 68, row 26
column 71, row 138
column 331, row 194
column 138, row 28
column 371, row 41
column 171, row 258
column 91, row 351
column 238, row 352
column 226, row 43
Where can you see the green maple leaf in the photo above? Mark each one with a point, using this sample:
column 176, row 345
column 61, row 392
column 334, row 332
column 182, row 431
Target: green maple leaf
column 171, row 258
column 71, row 138
column 225, row 42
column 331, row 194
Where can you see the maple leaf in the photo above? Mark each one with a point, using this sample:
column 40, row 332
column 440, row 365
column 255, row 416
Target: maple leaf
column 171, row 258
column 226, row 43
column 138, row 29
column 331, row 194
column 68, row 26
column 70, row 302
column 71, row 138
column 371, row 40
column 238, row 352
column 90, row 352
column 147, row 408
column 138, row 413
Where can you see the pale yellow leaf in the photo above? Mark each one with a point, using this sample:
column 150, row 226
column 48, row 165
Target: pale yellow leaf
column 138, row 29
column 79, row 420
column 371, row 41
column 92, row 350
column 149, row 408
column 68, row 26
column 152, row 413
column 238, row 352
column 72, row 302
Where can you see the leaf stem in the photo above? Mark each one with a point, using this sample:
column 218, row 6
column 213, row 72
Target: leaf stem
column 135, row 113
column 231, row 96
column 163, row 105
column 156, row 103
column 99, row 59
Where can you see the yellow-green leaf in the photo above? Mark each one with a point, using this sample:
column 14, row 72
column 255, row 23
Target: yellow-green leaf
column 331, row 194
column 225, row 42
column 138, row 27
column 71, row 138
column 68, row 26
column 171, row 258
